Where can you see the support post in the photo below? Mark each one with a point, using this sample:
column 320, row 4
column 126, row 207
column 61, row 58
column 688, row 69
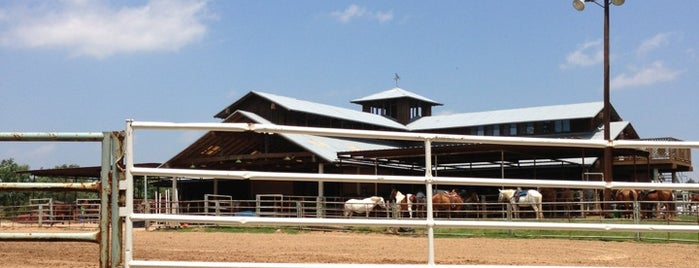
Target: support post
column 114, row 177
column 428, row 189
column 104, row 200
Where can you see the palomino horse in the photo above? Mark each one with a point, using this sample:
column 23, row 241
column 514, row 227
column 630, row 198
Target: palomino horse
column 626, row 197
column 532, row 198
column 660, row 199
column 365, row 205
column 447, row 202
column 404, row 201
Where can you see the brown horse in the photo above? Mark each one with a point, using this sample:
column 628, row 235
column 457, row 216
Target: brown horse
column 558, row 202
column 449, row 202
column 626, row 199
column 472, row 203
column 661, row 200
column 549, row 197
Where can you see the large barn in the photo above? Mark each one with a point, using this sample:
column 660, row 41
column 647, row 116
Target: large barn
column 397, row 109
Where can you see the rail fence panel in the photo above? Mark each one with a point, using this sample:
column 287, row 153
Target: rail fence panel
column 49, row 211
column 430, row 223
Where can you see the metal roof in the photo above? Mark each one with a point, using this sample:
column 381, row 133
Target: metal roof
column 93, row 172
column 326, row 147
column 531, row 114
column 331, row 111
column 394, row 93
column 426, row 123
column 615, row 129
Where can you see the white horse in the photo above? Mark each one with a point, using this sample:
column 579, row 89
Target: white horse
column 531, row 199
column 365, row 205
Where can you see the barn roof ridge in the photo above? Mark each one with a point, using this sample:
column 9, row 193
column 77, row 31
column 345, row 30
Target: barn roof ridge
column 395, row 93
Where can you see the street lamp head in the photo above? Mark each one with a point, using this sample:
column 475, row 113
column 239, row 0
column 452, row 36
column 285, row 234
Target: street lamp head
column 579, row 5
column 618, row 2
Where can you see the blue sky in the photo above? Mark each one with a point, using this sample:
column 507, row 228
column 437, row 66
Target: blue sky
column 78, row 66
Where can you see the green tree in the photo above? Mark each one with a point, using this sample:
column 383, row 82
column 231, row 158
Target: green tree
column 8, row 173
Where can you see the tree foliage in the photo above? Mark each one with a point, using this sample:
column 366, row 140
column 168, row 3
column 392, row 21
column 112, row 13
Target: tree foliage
column 8, row 173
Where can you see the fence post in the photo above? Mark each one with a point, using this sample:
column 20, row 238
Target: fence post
column 113, row 178
column 637, row 217
column 320, row 207
column 104, row 216
column 299, row 209
column 40, row 216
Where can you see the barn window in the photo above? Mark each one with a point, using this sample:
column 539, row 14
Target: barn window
column 562, row 126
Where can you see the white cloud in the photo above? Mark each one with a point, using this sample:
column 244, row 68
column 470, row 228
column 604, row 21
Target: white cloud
column 92, row 28
column 586, row 54
column 355, row 12
column 652, row 74
column 657, row 41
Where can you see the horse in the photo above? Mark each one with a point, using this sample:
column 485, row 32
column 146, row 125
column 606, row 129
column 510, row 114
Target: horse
column 662, row 199
column 404, row 201
column 62, row 212
column 626, row 197
column 420, row 204
column 558, row 201
column 471, row 199
column 365, row 205
column 693, row 202
column 446, row 201
column 532, row 198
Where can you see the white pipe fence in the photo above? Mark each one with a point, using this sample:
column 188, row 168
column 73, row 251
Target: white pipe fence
column 428, row 180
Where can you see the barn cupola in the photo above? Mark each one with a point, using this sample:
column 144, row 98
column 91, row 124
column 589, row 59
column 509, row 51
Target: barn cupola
column 398, row 104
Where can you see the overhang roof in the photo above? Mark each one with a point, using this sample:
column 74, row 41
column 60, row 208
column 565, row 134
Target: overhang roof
column 466, row 153
column 85, row 172
column 327, row 147
column 215, row 148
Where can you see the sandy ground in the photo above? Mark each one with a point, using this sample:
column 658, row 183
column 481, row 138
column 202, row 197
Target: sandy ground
column 343, row 247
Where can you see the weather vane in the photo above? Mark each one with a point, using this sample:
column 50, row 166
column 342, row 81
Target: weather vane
column 396, row 77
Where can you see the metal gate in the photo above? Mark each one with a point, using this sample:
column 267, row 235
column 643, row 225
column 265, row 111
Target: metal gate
column 105, row 187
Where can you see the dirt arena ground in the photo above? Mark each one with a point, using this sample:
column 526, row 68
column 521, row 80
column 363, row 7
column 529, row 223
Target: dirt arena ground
column 343, row 247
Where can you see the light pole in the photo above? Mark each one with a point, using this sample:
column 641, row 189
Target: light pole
column 579, row 5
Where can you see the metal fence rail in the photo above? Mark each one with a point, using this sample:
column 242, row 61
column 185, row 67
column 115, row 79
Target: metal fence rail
column 428, row 180
column 109, row 141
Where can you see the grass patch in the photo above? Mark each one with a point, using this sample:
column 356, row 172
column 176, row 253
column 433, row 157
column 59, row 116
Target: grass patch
column 643, row 237
column 648, row 237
